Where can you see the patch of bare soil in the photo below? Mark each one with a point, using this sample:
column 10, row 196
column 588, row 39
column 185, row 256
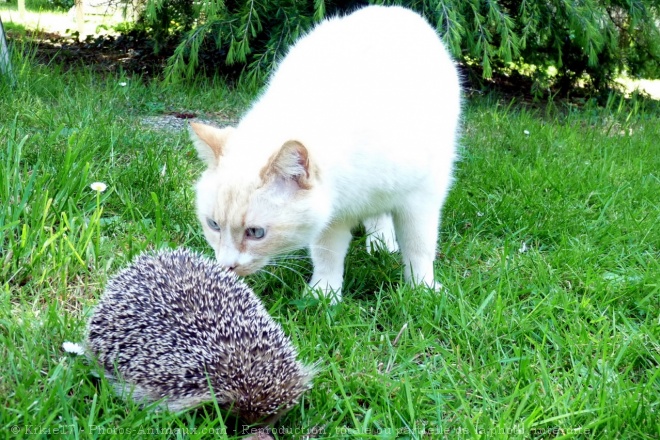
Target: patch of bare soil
column 132, row 52
column 178, row 121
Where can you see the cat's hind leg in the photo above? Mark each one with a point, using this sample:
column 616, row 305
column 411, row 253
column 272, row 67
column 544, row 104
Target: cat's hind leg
column 328, row 254
column 380, row 233
column 416, row 223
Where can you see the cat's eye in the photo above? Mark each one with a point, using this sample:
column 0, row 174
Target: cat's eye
column 213, row 224
column 255, row 233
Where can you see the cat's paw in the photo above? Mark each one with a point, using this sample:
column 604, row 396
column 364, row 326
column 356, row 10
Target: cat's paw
column 331, row 295
column 435, row 286
column 439, row 288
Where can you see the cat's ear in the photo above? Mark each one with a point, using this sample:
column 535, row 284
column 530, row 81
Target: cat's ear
column 290, row 163
column 209, row 141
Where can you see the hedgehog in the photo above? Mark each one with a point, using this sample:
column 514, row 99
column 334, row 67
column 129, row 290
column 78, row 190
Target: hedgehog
column 178, row 328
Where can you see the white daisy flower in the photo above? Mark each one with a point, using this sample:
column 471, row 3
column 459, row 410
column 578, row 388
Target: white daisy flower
column 73, row 348
column 98, row 186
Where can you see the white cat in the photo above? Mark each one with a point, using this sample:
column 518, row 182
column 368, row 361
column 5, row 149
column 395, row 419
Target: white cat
column 358, row 124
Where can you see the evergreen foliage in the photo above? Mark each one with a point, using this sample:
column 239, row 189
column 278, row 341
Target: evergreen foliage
column 556, row 41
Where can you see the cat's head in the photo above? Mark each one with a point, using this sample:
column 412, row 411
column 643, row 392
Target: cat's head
column 251, row 212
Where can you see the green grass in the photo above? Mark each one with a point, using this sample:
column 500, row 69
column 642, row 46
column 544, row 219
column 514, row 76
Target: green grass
column 550, row 254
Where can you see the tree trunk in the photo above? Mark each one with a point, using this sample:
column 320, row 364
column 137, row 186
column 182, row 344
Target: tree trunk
column 21, row 8
column 5, row 57
column 80, row 19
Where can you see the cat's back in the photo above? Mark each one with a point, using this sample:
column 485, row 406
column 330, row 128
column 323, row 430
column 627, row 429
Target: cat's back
column 369, row 32
column 373, row 50
column 377, row 67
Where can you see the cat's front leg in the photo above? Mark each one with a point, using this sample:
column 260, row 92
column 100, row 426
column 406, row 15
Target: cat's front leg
column 380, row 233
column 416, row 224
column 328, row 254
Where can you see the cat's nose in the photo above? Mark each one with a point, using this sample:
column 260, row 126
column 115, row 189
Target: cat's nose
column 228, row 263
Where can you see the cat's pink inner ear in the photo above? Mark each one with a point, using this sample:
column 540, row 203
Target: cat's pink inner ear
column 209, row 141
column 291, row 162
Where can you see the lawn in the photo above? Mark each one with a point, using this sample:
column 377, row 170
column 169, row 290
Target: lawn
column 549, row 252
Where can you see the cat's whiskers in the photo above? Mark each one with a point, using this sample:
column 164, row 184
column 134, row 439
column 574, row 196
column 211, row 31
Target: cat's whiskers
column 272, row 274
column 289, row 257
column 288, row 263
column 322, row 248
column 292, row 268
